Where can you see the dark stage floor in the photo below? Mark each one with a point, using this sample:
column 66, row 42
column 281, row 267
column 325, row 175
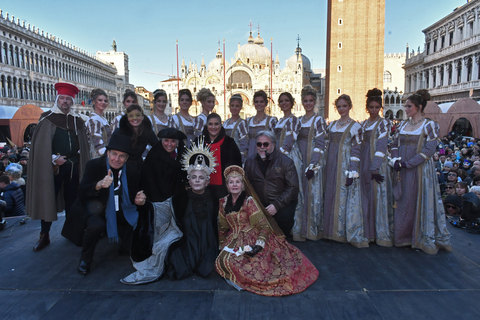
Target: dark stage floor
column 373, row 283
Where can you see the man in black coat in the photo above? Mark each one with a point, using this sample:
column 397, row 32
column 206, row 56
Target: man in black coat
column 110, row 195
column 274, row 178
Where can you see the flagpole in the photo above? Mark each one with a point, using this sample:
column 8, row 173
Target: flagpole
column 224, row 86
column 178, row 75
column 271, row 71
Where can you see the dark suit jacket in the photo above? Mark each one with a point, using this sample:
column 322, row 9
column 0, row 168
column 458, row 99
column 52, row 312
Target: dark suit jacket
column 90, row 201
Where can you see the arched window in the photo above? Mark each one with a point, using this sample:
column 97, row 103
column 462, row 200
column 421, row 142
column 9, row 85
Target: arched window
column 10, row 56
column 22, row 58
column 5, row 53
column 387, row 76
column 17, row 57
column 35, row 96
column 469, row 69
column 30, row 90
column 9, row 87
column 3, row 89
column 44, row 97
column 14, row 87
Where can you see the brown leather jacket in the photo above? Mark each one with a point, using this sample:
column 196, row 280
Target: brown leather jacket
column 279, row 185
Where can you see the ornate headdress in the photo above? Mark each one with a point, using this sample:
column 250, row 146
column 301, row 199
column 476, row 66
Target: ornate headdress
column 234, row 171
column 199, row 157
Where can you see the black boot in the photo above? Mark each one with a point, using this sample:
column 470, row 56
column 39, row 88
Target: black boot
column 42, row 242
column 83, row 267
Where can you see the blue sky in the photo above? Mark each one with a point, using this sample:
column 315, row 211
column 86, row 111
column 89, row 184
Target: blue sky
column 147, row 29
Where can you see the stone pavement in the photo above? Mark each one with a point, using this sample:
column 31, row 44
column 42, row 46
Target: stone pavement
column 373, row 283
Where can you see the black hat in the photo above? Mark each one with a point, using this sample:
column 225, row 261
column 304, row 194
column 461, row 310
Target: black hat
column 171, row 133
column 454, row 199
column 120, row 142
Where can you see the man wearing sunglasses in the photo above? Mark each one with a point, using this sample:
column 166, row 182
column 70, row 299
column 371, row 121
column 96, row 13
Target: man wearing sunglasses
column 274, row 179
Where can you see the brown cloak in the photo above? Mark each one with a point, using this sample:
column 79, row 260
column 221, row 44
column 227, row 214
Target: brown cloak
column 40, row 201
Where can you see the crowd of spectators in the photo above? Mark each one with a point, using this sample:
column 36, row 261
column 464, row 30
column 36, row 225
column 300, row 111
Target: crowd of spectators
column 13, row 176
column 458, row 168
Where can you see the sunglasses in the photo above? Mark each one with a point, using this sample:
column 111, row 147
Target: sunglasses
column 449, row 206
column 264, row 144
column 448, row 187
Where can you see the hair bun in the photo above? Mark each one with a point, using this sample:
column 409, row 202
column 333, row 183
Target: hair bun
column 374, row 93
column 308, row 90
column 424, row 94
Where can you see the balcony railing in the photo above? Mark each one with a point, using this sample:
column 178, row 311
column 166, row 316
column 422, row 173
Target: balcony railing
column 452, row 49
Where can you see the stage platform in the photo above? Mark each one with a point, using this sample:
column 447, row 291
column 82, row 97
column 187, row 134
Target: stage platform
column 371, row 283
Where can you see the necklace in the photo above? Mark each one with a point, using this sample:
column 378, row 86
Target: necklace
column 414, row 123
column 305, row 119
column 162, row 118
column 256, row 121
column 343, row 123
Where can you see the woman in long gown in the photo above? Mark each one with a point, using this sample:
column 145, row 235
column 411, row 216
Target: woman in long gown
column 159, row 119
column 236, row 127
column 342, row 214
column 207, row 100
column 311, row 143
column 182, row 120
column 419, row 217
column 375, row 174
column 161, row 179
column 286, row 131
column 254, row 253
column 195, row 213
column 261, row 121
column 98, row 127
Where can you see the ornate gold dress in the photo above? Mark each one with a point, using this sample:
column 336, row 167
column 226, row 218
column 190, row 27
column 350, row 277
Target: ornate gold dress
column 279, row 269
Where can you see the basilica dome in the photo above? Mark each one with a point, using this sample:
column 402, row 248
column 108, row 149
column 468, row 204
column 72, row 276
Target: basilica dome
column 253, row 52
column 292, row 61
column 216, row 64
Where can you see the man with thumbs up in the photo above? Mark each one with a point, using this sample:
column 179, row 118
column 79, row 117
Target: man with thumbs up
column 109, row 192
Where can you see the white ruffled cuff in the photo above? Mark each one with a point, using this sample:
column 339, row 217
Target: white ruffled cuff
column 351, row 174
column 285, row 152
column 54, row 158
column 392, row 161
column 260, row 243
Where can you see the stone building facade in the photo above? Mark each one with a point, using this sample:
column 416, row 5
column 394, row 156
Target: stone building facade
column 32, row 61
column 251, row 69
column 449, row 64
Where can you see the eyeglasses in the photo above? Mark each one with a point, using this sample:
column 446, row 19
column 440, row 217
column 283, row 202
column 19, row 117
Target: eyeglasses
column 448, row 187
column 452, row 174
column 264, row 144
column 449, row 206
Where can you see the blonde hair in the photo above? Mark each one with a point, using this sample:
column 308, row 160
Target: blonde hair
column 308, row 90
column 204, row 94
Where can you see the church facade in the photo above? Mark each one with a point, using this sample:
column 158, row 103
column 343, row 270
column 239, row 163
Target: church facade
column 251, row 69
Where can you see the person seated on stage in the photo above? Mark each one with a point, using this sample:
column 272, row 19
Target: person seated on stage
column 275, row 180
column 195, row 212
column 110, row 195
column 13, row 196
column 254, row 253
column 162, row 178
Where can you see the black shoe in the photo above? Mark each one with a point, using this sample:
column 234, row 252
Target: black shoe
column 3, row 223
column 42, row 242
column 83, row 267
